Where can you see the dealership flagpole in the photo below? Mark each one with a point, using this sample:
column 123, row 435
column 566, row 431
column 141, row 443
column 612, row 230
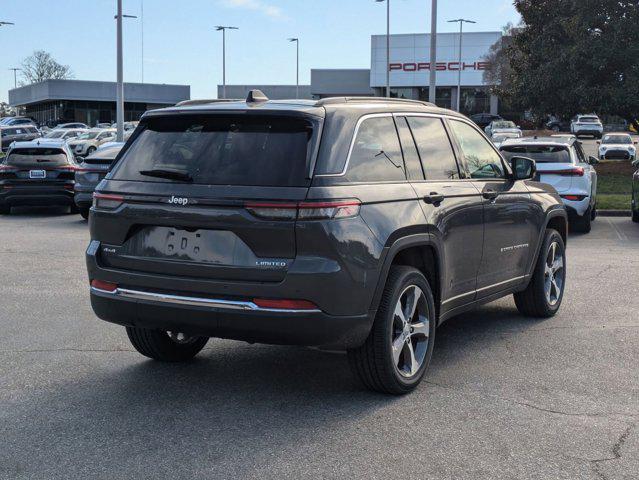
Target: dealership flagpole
column 432, row 97
column 459, row 64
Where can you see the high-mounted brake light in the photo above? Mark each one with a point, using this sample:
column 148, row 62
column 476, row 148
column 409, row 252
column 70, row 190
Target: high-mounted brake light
column 282, row 304
column 104, row 286
column 308, row 210
column 105, row 201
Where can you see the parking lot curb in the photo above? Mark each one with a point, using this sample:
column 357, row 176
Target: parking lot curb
column 614, row 213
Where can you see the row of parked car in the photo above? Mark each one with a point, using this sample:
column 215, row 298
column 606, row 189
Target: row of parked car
column 61, row 167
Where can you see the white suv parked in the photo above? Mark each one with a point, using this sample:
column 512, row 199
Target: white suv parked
column 587, row 125
column 88, row 142
column 562, row 163
column 617, row 146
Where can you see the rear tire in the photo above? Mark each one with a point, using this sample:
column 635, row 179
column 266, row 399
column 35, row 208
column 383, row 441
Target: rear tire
column 635, row 216
column 543, row 295
column 583, row 224
column 74, row 210
column 159, row 345
column 399, row 347
column 84, row 212
column 593, row 213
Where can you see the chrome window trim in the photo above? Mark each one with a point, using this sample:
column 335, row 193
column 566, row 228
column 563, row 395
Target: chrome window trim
column 194, row 301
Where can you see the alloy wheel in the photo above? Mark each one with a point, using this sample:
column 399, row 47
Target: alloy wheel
column 554, row 274
column 411, row 330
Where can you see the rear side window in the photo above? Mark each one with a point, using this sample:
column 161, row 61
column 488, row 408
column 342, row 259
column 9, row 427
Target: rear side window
column 376, row 155
column 539, row 153
column 435, row 150
column 411, row 157
column 220, row 150
column 482, row 159
column 36, row 156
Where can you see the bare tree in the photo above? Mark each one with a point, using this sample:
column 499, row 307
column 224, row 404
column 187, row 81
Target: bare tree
column 41, row 66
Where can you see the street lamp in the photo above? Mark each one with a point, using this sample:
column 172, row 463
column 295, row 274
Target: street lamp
column 387, row 45
column 119, row 104
column 15, row 76
column 223, row 29
column 297, row 84
column 461, row 22
column 432, row 84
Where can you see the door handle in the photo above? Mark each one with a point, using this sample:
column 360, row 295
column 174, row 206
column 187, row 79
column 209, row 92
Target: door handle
column 433, row 198
column 490, row 194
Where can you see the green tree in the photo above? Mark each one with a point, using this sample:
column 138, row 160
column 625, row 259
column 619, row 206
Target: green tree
column 575, row 56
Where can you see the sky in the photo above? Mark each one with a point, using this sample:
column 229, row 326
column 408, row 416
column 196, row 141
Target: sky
column 181, row 45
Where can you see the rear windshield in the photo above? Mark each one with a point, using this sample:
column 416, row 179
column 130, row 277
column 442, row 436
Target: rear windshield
column 588, row 119
column 539, row 153
column 36, row 156
column 220, row 150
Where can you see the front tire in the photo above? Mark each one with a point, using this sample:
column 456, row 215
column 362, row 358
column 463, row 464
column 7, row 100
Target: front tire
column 165, row 346
column 543, row 295
column 399, row 347
column 90, row 150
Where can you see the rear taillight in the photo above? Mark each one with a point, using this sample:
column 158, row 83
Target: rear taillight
column 105, row 201
column 7, row 168
column 568, row 172
column 284, row 304
column 320, row 210
column 104, row 286
column 574, row 198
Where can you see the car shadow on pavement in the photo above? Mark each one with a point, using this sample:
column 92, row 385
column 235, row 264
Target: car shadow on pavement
column 234, row 401
column 38, row 212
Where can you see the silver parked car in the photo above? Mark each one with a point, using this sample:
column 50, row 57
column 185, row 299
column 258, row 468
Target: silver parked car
column 88, row 142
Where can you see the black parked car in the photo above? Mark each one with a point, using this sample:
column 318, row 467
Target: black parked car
column 484, row 119
column 90, row 173
column 8, row 135
column 635, row 192
column 349, row 223
column 37, row 173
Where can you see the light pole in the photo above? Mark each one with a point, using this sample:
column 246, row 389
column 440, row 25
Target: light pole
column 297, row 75
column 387, row 45
column 461, row 22
column 223, row 29
column 432, row 84
column 15, row 76
column 119, row 103
column 142, row 34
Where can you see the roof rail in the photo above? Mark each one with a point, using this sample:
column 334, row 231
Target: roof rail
column 337, row 100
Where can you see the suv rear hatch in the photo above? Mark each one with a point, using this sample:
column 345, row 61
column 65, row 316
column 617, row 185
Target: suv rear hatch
column 209, row 196
column 554, row 163
column 37, row 165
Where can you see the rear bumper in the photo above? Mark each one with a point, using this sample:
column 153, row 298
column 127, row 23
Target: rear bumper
column 211, row 318
column 35, row 195
column 83, row 199
column 596, row 133
column 576, row 208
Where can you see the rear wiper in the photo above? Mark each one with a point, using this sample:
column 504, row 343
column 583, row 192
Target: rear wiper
column 168, row 173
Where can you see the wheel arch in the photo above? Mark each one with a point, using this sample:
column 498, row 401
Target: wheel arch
column 558, row 220
column 420, row 251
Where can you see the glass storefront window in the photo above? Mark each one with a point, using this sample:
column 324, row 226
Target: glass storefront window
column 475, row 100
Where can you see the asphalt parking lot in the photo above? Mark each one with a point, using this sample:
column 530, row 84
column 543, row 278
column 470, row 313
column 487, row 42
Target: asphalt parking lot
column 507, row 397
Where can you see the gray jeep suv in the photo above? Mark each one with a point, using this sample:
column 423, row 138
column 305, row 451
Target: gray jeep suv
column 345, row 223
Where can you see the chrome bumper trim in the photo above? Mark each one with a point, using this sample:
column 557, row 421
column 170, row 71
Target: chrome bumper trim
column 195, row 301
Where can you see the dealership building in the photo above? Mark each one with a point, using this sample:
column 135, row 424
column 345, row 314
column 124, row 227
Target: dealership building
column 57, row 101
column 409, row 73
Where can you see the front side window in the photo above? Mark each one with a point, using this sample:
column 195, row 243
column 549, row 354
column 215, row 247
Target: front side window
column 435, row 150
column 482, row 160
column 376, row 155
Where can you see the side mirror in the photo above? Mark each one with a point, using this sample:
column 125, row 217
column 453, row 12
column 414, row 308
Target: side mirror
column 523, row 168
column 593, row 160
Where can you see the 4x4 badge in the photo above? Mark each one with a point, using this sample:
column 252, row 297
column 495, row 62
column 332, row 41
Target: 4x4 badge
column 178, row 200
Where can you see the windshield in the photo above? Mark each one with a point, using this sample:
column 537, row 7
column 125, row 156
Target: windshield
column 220, row 150
column 37, row 156
column 588, row 119
column 617, row 139
column 88, row 136
column 54, row 134
column 504, row 124
column 539, row 153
